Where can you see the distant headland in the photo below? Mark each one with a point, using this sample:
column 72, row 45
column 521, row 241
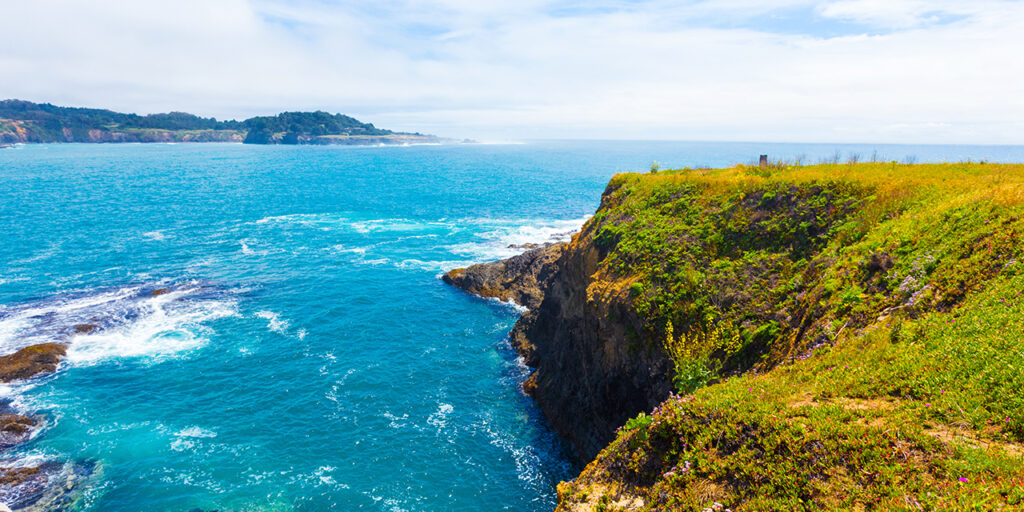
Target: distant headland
column 28, row 122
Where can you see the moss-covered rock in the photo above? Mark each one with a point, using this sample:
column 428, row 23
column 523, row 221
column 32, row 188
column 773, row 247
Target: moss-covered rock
column 31, row 361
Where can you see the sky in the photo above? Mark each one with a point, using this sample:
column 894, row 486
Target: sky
column 901, row 71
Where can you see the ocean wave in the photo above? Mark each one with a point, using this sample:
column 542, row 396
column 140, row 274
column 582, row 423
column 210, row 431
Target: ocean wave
column 512, row 237
column 383, row 241
column 156, row 320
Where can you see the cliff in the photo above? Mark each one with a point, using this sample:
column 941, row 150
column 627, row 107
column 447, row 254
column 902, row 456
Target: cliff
column 838, row 337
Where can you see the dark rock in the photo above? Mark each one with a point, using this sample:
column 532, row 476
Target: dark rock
column 85, row 328
column 30, row 361
column 159, row 291
column 520, row 278
column 527, row 246
column 879, row 262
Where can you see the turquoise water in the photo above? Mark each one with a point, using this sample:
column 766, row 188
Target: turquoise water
column 306, row 355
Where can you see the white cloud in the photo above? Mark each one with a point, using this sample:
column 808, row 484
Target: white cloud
column 929, row 72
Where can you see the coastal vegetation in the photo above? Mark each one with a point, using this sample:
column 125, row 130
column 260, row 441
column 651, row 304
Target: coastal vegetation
column 844, row 336
column 28, row 122
column 852, row 337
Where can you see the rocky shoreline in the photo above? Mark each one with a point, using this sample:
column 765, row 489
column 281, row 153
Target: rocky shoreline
column 28, row 483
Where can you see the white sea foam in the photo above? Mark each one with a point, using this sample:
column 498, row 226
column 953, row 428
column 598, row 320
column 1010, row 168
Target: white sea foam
column 154, row 235
column 507, row 238
column 340, row 248
column 249, row 251
column 274, row 321
column 395, row 422
column 510, row 303
column 323, row 475
column 439, row 418
column 128, row 321
column 5, row 280
column 527, row 460
column 195, row 432
column 166, row 325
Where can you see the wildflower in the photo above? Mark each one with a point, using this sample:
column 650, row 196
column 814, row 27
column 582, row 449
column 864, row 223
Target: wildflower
column 963, row 479
column 927, row 405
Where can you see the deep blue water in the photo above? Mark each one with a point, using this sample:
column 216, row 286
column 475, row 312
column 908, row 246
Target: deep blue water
column 306, row 355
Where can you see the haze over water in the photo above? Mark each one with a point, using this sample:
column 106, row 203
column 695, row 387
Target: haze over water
column 306, row 355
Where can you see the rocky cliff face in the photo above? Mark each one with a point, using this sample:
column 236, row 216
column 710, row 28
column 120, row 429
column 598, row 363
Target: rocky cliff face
column 580, row 334
column 591, row 374
column 17, row 131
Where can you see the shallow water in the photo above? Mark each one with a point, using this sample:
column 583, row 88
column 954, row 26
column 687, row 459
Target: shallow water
column 300, row 352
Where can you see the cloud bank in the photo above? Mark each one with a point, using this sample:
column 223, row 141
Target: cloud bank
column 775, row 70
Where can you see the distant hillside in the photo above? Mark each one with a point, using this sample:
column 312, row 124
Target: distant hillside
column 27, row 122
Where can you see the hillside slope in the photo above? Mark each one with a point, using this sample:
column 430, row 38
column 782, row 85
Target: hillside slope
column 838, row 337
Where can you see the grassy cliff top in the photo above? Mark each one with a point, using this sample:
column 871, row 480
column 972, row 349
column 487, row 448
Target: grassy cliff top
column 843, row 337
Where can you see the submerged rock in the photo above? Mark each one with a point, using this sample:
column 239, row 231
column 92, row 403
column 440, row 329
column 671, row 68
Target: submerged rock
column 85, row 328
column 520, row 278
column 49, row 486
column 16, row 429
column 31, row 361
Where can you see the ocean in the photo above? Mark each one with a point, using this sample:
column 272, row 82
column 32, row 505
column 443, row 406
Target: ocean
column 271, row 331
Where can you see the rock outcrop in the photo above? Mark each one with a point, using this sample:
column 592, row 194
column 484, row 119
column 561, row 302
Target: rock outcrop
column 31, row 361
column 521, row 278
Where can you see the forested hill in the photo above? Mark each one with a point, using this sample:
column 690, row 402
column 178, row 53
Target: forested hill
column 261, row 130
column 28, row 122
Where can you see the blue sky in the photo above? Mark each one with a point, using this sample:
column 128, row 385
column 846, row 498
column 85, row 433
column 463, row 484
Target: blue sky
column 775, row 70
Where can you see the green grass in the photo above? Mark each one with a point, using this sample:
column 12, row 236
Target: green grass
column 881, row 361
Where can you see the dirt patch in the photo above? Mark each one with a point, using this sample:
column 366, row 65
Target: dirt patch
column 953, row 436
